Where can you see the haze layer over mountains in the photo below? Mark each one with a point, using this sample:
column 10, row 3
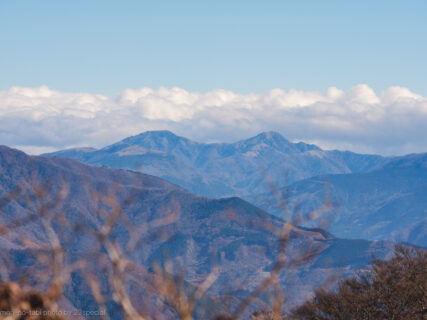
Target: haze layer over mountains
column 230, row 233
column 372, row 197
column 367, row 201
column 223, row 169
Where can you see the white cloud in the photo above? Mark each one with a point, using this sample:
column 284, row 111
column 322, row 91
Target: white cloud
column 392, row 122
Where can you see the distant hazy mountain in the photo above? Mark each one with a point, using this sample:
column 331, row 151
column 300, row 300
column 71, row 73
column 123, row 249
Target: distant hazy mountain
column 229, row 233
column 387, row 203
column 378, row 199
column 224, row 169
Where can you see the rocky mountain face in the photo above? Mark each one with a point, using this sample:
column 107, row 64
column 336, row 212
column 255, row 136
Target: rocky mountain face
column 389, row 202
column 224, row 169
column 161, row 225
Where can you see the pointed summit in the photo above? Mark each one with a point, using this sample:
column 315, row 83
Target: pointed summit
column 162, row 140
column 270, row 138
column 154, row 135
column 270, row 134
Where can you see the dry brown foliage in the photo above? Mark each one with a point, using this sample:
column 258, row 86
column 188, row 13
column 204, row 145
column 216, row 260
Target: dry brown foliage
column 120, row 269
column 26, row 304
column 393, row 289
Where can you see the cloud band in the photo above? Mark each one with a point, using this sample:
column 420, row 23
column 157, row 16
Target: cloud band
column 42, row 119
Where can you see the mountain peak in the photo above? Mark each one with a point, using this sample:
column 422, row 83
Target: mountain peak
column 162, row 140
column 155, row 135
column 270, row 138
column 271, row 135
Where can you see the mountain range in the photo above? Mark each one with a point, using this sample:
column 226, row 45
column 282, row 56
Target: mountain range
column 389, row 202
column 372, row 197
column 223, row 169
column 229, row 233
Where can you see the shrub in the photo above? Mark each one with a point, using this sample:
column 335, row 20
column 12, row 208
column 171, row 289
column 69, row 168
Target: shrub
column 393, row 289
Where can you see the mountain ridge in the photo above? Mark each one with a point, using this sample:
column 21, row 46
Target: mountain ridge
column 230, row 233
column 224, row 169
column 385, row 203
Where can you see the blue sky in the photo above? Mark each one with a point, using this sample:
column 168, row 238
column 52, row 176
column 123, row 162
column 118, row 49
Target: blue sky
column 243, row 46
column 340, row 74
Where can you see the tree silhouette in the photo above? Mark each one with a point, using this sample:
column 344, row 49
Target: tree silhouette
column 393, row 289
